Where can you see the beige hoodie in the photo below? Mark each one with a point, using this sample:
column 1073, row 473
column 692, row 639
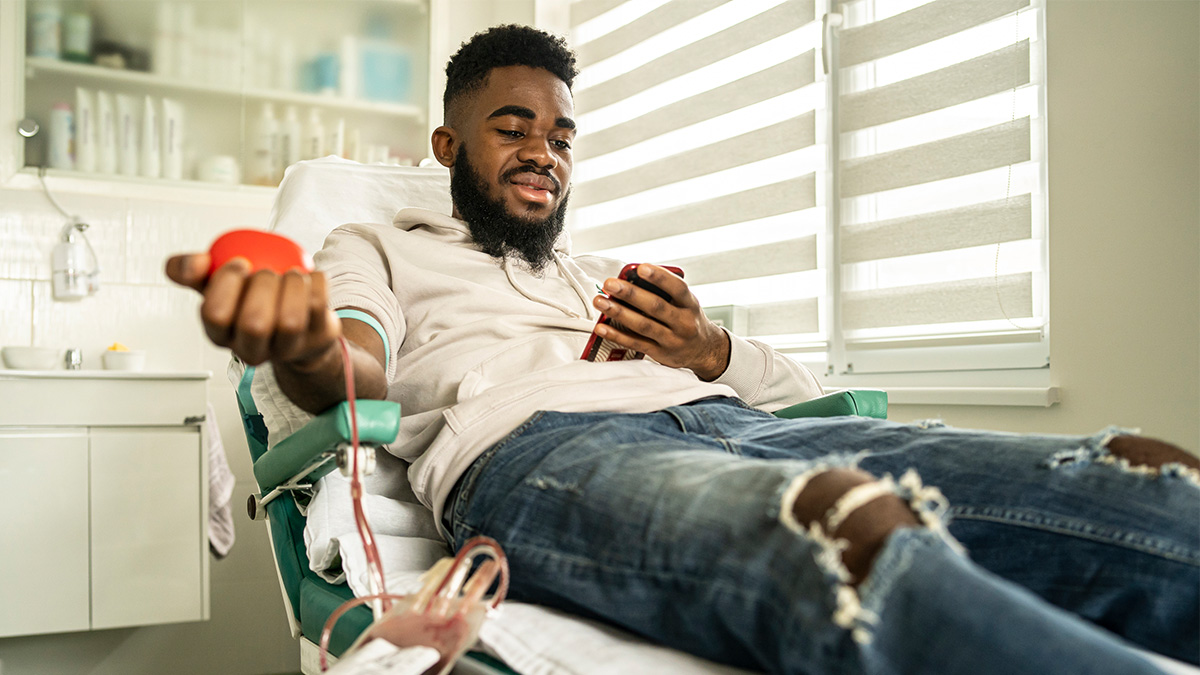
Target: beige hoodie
column 478, row 345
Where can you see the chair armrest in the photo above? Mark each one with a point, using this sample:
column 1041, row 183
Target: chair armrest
column 860, row 402
column 378, row 424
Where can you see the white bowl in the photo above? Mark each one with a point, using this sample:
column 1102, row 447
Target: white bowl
column 133, row 359
column 33, row 358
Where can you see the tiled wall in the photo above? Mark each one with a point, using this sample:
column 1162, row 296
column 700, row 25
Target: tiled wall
column 136, row 305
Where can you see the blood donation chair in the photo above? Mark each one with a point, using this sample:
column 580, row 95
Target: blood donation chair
column 315, row 197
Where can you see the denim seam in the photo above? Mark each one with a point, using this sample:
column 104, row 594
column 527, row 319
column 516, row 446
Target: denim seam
column 1037, row 521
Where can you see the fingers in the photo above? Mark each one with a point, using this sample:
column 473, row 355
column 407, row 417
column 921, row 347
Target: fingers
column 222, row 297
column 264, row 316
column 189, row 270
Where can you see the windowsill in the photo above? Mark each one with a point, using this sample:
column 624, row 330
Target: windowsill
column 1035, row 397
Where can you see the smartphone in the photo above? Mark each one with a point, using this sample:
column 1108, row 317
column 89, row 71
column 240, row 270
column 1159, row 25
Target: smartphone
column 600, row 349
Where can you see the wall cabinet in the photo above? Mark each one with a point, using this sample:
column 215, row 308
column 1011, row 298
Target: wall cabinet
column 105, row 485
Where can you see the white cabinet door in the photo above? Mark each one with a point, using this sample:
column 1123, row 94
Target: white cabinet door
column 43, row 531
column 148, row 526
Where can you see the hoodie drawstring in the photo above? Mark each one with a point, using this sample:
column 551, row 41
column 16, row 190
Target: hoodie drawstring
column 579, row 290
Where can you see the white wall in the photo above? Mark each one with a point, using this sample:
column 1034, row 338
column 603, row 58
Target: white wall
column 1123, row 90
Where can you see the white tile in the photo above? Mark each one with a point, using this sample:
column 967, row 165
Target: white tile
column 16, row 312
column 160, row 229
column 30, row 227
column 163, row 320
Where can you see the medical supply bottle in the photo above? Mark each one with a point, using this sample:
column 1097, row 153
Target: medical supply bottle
column 86, row 143
column 264, row 157
column 290, row 133
column 107, row 147
column 62, row 137
column 314, row 136
column 45, row 29
column 150, row 159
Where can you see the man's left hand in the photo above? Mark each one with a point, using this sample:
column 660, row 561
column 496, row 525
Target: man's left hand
column 675, row 333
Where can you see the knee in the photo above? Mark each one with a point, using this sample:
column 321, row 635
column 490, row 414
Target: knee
column 864, row 526
column 1142, row 451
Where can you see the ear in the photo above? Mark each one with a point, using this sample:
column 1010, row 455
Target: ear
column 445, row 145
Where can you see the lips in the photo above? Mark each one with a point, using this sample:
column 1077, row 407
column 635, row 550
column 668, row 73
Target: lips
column 533, row 180
column 533, row 187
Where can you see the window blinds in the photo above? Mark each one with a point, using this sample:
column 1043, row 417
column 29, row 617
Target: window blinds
column 698, row 147
column 939, row 229
column 903, row 212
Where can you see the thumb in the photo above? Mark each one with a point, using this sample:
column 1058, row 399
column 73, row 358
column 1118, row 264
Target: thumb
column 189, row 270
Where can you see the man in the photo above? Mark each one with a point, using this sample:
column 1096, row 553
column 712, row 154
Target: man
column 656, row 494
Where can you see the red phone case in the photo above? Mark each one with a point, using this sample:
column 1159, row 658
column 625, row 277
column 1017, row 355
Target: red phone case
column 600, row 349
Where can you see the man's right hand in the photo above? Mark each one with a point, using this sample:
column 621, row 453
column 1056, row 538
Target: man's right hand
column 262, row 316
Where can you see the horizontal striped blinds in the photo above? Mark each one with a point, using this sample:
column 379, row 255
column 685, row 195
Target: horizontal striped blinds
column 698, row 147
column 940, row 226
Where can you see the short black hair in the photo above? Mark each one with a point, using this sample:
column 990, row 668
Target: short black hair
column 500, row 46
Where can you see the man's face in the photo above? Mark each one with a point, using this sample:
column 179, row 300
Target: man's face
column 516, row 136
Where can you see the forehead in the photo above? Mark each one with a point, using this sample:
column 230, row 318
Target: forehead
column 534, row 88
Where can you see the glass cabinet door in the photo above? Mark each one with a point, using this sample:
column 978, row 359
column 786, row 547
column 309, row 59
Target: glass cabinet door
column 223, row 91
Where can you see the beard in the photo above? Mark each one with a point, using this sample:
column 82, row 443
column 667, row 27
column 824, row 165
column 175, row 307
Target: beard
column 497, row 232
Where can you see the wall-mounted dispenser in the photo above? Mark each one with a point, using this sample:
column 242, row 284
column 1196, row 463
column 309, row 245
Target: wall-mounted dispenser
column 75, row 270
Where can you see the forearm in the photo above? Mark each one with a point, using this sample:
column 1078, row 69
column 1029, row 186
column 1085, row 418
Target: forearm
column 320, row 383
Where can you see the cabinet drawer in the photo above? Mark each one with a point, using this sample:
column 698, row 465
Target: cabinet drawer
column 80, row 401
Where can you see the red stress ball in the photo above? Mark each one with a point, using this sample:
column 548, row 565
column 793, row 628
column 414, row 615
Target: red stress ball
column 264, row 250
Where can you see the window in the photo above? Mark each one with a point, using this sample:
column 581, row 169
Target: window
column 895, row 228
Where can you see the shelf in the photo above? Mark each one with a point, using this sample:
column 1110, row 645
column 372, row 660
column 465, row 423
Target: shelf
column 137, row 187
column 35, row 66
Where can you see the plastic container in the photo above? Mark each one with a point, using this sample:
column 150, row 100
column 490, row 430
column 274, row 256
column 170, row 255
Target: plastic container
column 150, row 158
column 86, row 145
column 264, row 158
column 314, row 136
column 106, row 133
column 172, row 139
column 45, row 29
column 291, row 133
column 77, row 37
column 62, row 137
column 127, row 135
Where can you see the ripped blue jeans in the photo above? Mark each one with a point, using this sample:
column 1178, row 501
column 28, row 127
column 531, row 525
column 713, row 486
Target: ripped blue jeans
column 675, row 525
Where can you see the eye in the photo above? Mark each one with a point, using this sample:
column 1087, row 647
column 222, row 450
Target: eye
column 562, row 145
column 511, row 133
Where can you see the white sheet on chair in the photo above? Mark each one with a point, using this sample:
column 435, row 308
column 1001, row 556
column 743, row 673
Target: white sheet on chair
column 533, row 640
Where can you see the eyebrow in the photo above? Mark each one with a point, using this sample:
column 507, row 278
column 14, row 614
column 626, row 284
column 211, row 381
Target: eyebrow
column 526, row 113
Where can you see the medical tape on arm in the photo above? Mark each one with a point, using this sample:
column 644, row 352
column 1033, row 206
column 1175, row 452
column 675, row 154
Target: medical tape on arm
column 359, row 315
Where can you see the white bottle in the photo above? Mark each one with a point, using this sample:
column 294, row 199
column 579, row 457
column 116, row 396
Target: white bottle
column 106, row 133
column 164, row 39
column 172, row 139
column 264, row 159
column 45, row 29
column 290, row 133
column 314, row 136
column 337, row 138
column 86, row 146
column 62, row 137
column 150, row 158
column 127, row 135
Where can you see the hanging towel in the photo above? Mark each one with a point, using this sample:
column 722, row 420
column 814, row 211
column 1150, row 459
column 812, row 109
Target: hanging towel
column 220, row 490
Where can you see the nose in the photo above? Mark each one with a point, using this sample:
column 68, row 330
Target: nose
column 536, row 151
